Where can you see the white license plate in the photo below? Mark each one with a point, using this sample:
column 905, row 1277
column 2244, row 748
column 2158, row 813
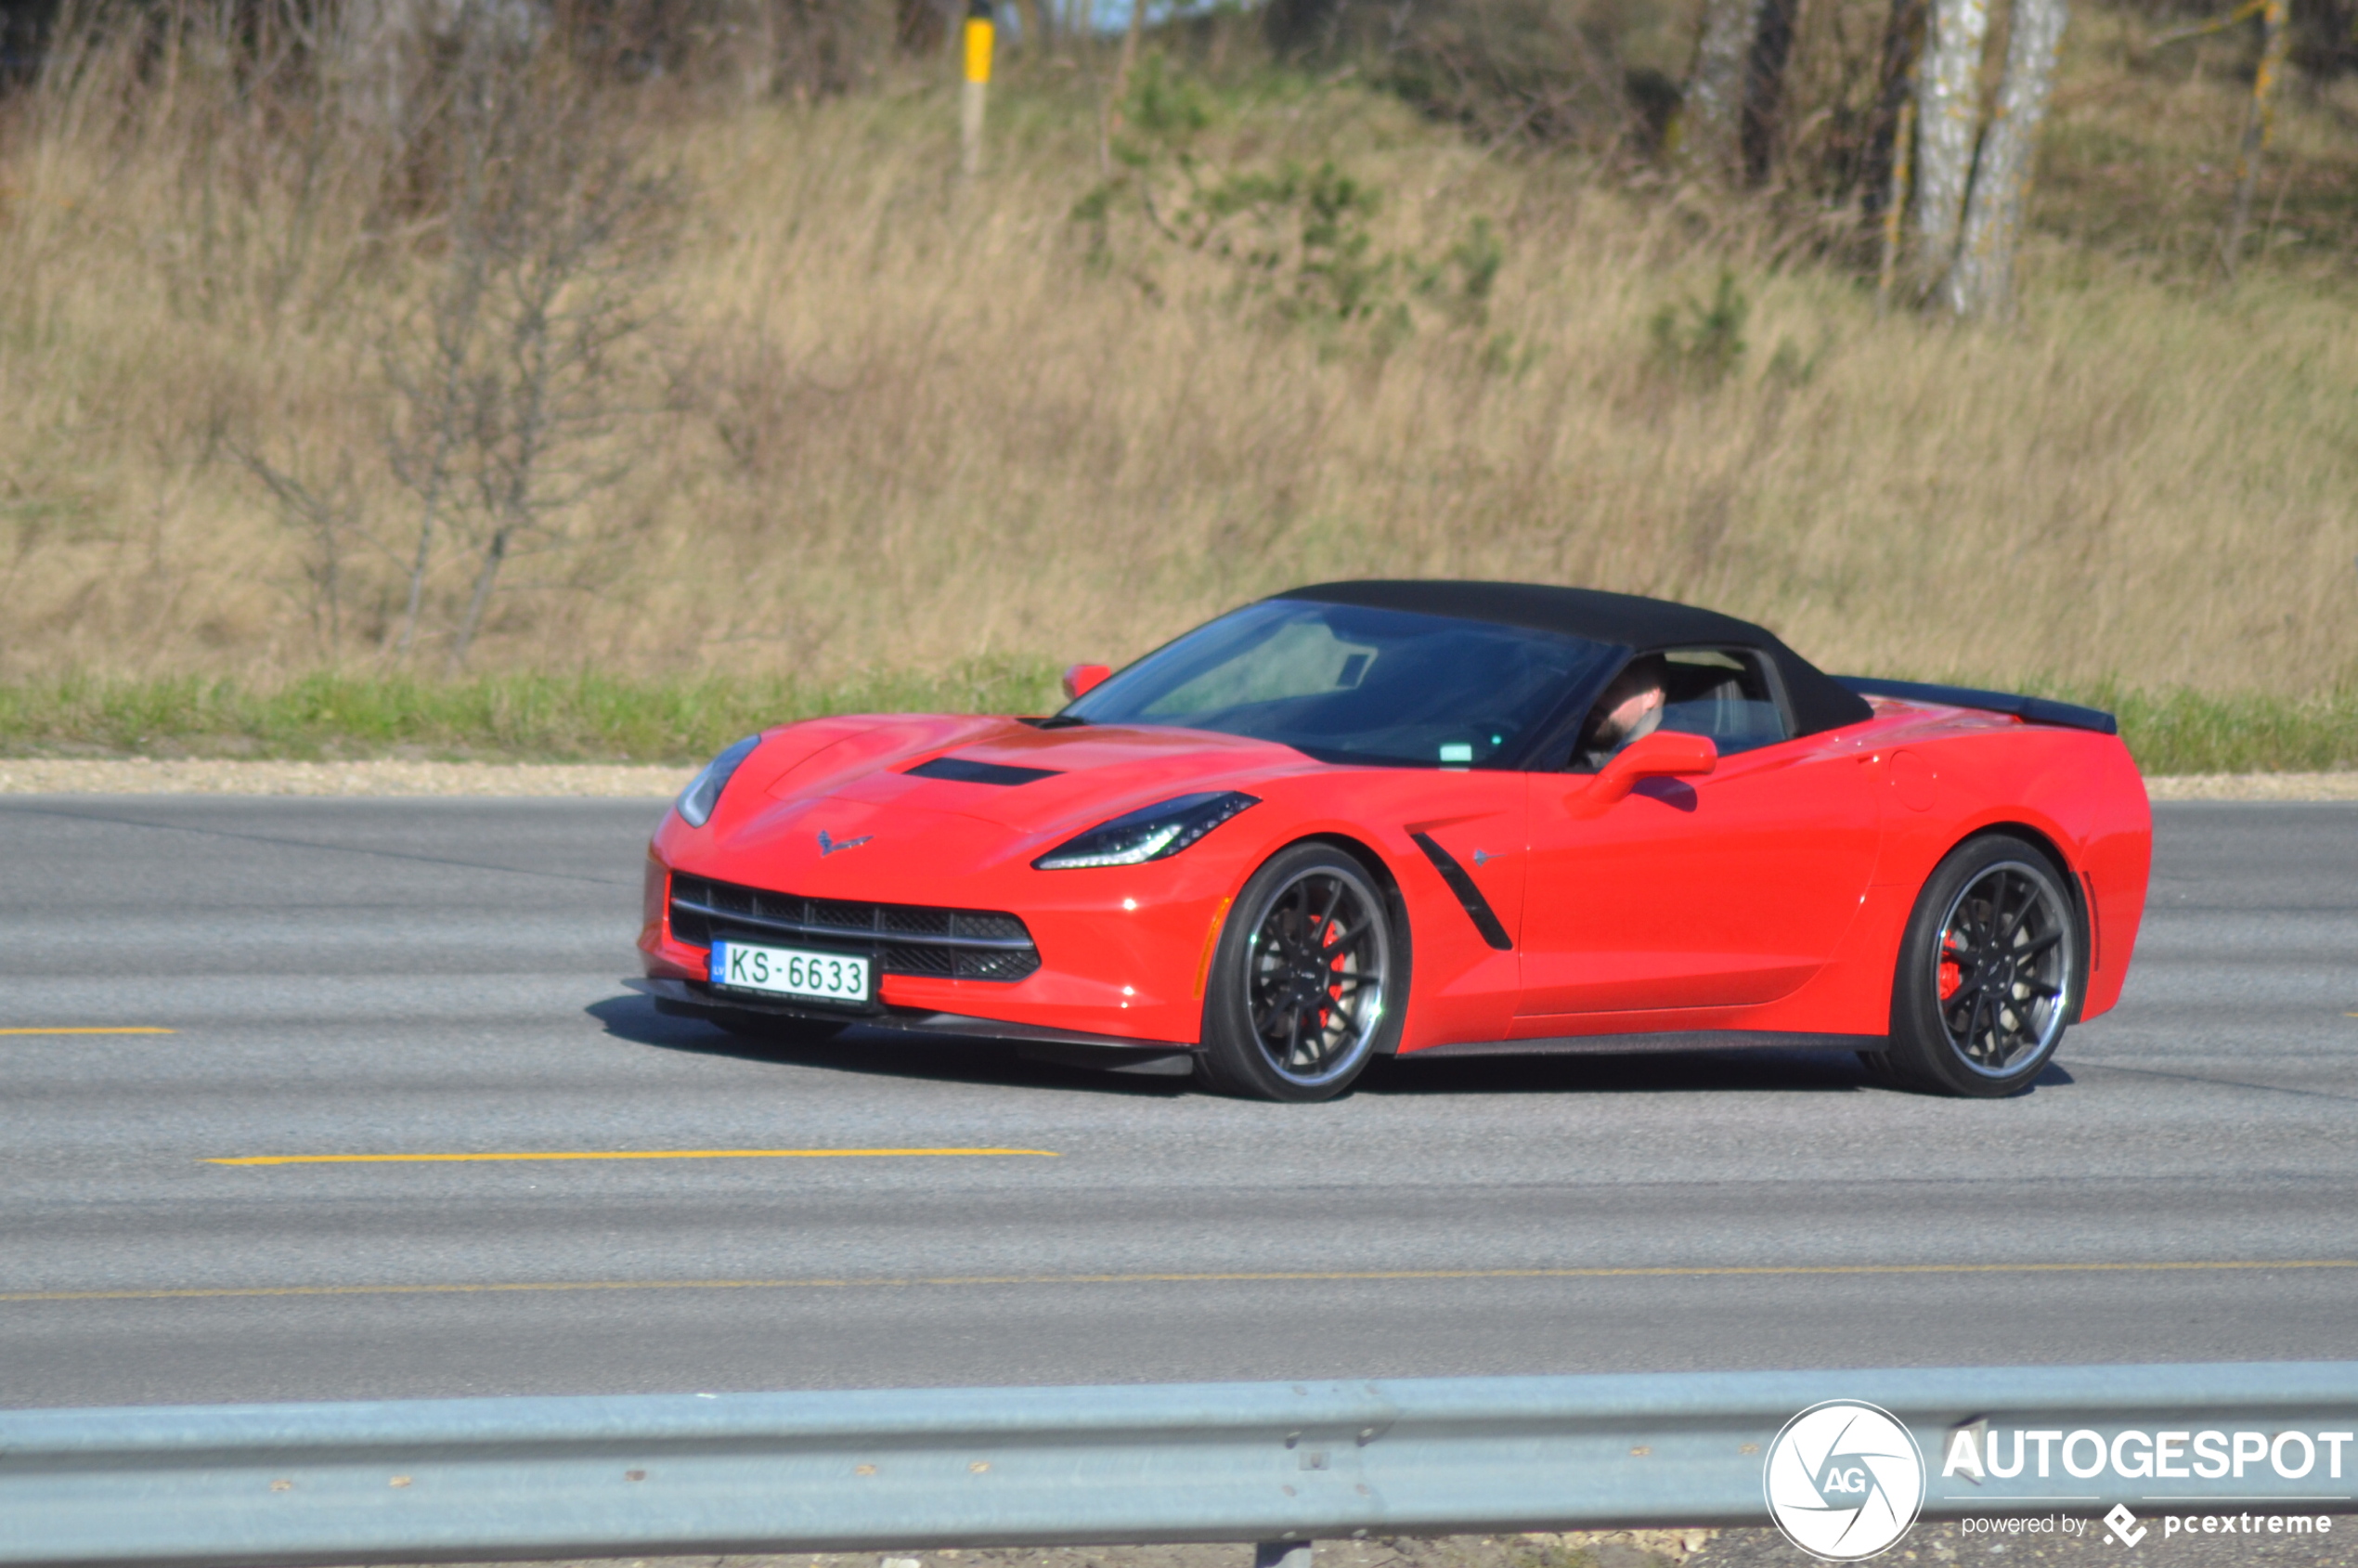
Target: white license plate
column 790, row 971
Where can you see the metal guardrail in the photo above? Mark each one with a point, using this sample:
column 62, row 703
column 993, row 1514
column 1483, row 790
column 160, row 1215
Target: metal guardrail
column 534, row 1478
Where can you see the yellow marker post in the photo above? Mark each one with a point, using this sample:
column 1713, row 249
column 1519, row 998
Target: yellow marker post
column 1896, row 205
column 981, row 35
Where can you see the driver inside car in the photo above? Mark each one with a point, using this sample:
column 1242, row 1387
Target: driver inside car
column 1630, row 710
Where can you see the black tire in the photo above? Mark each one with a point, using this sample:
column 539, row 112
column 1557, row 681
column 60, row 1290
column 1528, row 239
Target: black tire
column 1991, row 970
column 1308, row 982
column 777, row 1028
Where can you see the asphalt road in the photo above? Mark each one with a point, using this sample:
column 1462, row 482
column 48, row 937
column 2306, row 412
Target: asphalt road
column 440, row 976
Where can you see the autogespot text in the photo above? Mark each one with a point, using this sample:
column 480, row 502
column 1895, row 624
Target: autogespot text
column 2166, row 1456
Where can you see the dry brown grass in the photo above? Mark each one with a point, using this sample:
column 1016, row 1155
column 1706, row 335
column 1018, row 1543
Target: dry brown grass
column 896, row 422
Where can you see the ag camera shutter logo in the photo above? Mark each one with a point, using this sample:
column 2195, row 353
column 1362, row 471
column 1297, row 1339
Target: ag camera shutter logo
column 1844, row 1479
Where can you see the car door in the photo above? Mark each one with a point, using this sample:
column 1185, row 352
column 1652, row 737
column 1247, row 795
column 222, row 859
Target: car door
column 1722, row 889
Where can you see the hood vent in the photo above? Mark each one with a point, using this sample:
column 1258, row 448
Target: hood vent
column 961, row 769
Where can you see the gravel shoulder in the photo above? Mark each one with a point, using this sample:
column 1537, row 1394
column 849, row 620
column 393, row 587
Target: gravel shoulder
column 1947, row 1544
column 2255, row 786
column 1579, row 1549
column 390, row 777
column 394, row 777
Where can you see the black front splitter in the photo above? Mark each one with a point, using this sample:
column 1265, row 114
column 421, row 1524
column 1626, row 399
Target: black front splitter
column 1071, row 1047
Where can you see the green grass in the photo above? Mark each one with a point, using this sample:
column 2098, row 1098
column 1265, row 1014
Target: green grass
column 2190, row 731
column 600, row 719
column 582, row 718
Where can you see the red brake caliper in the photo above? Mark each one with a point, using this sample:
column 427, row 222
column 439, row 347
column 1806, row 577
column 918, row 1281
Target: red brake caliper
column 1951, row 975
column 1334, row 992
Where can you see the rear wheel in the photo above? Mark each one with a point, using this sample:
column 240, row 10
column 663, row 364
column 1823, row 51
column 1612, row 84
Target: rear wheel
column 1307, row 981
column 1990, row 971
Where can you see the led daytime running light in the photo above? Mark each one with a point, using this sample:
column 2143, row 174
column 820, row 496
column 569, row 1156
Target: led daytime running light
column 1154, row 833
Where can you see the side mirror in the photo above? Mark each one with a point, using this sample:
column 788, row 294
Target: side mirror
column 1082, row 676
column 1662, row 755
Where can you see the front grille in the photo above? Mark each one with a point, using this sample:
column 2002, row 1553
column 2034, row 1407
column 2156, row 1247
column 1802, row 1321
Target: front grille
column 965, row 944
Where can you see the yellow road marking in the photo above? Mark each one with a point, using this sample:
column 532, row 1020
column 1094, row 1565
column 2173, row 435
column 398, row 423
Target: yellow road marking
column 1304, row 1277
column 126, row 1028
column 628, row 1154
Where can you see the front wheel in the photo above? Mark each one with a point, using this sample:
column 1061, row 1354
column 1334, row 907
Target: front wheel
column 1307, row 982
column 1989, row 972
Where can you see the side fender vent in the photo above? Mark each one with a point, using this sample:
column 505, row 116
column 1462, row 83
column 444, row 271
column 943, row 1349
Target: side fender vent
column 1469, row 899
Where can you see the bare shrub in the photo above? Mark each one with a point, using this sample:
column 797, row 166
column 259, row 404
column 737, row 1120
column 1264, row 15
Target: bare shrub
column 908, row 426
column 1298, row 239
column 468, row 238
column 506, row 378
column 329, row 519
column 1592, row 72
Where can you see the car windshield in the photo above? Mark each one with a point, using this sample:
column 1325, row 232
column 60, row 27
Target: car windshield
column 1348, row 685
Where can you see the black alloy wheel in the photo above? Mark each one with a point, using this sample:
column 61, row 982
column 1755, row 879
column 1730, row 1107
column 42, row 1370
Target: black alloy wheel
column 1991, row 973
column 1306, row 982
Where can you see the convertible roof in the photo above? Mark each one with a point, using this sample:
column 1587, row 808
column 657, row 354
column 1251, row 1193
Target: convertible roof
column 1629, row 620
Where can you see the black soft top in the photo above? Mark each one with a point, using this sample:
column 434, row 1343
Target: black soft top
column 1626, row 620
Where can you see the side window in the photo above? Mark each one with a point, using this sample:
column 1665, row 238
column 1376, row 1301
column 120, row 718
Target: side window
column 1724, row 694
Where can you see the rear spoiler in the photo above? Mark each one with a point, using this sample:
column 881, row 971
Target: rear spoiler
column 2033, row 710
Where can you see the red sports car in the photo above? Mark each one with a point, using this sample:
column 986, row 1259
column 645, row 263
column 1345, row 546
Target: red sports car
column 1427, row 818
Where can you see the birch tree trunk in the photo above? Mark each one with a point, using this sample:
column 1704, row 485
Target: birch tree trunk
column 1706, row 139
column 1948, row 121
column 2260, row 126
column 1981, row 283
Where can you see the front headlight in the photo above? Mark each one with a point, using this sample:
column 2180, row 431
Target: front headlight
column 702, row 793
column 1152, row 833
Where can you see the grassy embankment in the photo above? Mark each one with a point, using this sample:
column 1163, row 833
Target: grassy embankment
column 546, row 719
column 885, row 426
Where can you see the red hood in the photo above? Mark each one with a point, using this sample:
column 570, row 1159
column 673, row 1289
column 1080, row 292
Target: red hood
column 1099, row 773
column 910, row 838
